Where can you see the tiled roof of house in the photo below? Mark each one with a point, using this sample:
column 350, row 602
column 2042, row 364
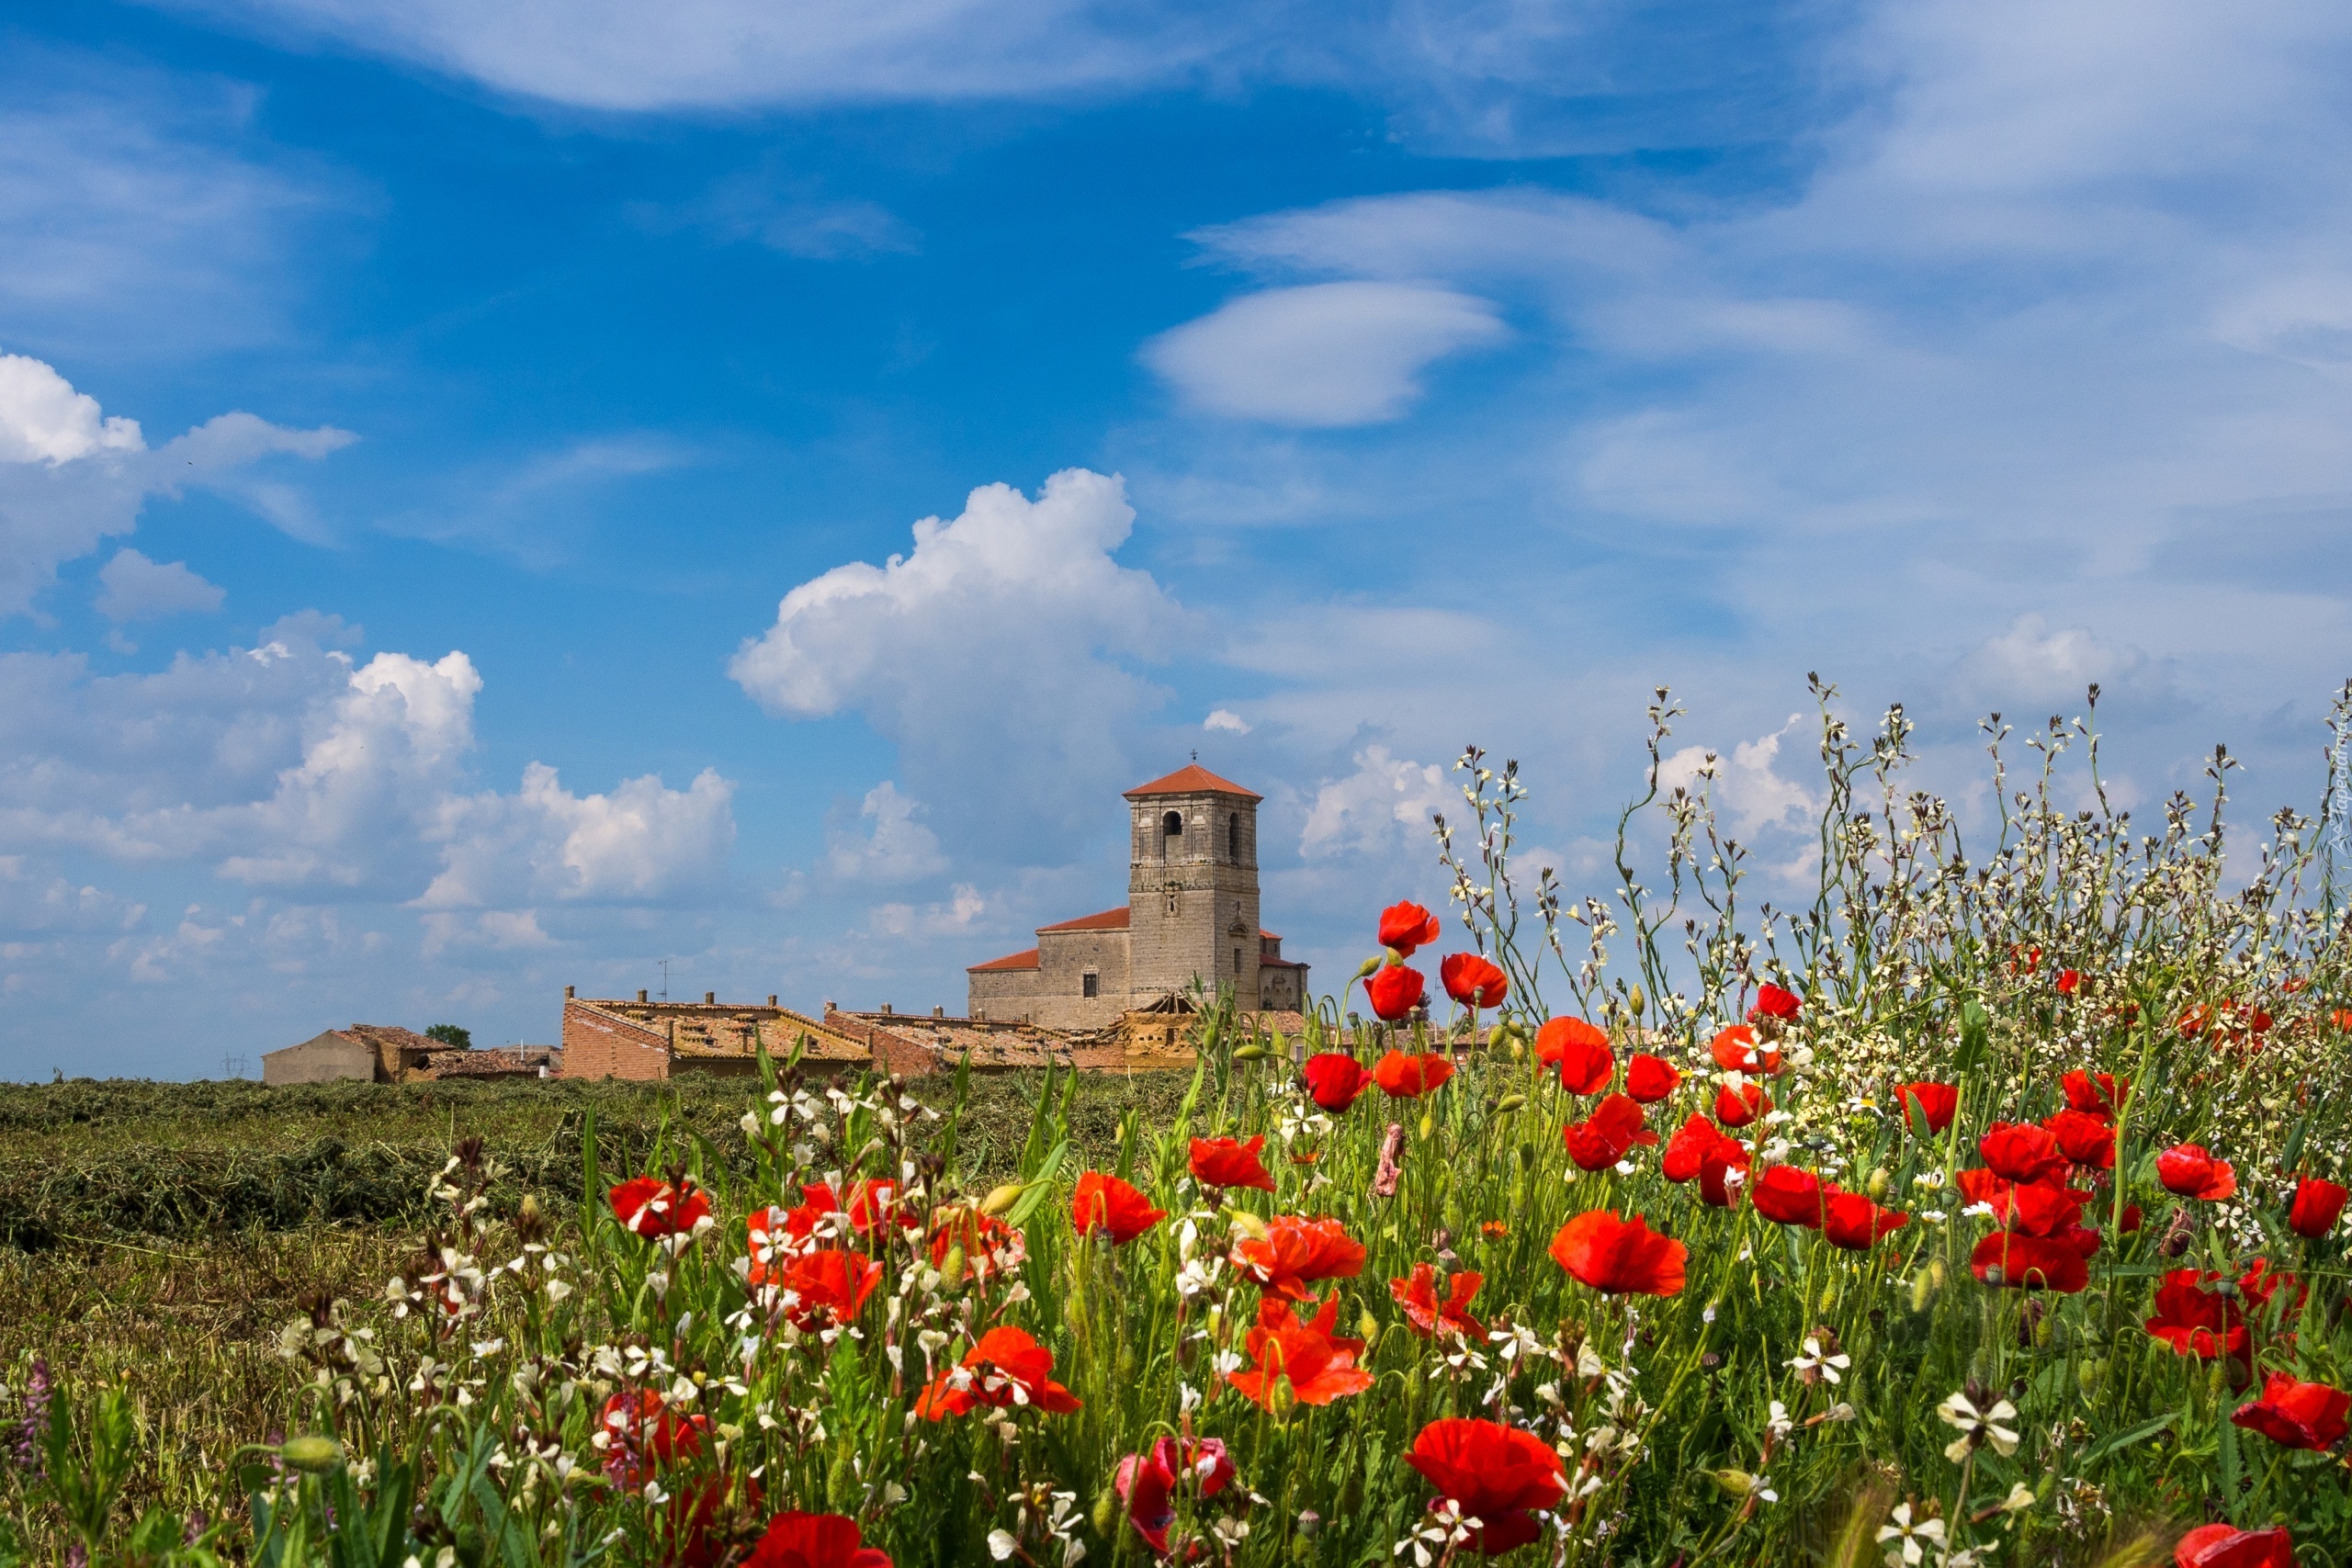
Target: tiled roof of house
column 1108, row 920
column 722, row 1030
column 1192, row 779
column 1009, row 961
column 991, row 1044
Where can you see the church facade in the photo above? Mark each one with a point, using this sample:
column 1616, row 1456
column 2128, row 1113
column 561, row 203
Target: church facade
column 1191, row 914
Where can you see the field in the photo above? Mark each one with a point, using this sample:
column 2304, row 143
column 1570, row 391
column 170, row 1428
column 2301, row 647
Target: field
column 1987, row 1210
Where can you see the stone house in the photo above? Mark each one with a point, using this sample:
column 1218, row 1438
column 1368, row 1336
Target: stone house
column 383, row 1052
column 644, row 1039
column 1191, row 916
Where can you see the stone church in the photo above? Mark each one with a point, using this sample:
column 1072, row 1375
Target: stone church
column 1191, row 913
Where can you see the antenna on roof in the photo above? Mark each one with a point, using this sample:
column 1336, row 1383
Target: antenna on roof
column 665, row 980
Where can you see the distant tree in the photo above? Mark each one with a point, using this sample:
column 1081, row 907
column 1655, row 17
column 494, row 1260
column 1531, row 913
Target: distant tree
column 451, row 1034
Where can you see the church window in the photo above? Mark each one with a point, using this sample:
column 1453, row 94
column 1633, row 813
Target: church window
column 1172, row 825
column 1237, row 961
column 1090, row 984
column 1232, row 837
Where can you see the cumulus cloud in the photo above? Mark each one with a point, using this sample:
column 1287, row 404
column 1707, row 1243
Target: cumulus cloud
column 1376, row 809
column 72, row 475
column 1226, row 719
column 132, row 588
column 1750, row 797
column 1323, row 354
column 997, row 655
column 896, row 848
column 2031, row 662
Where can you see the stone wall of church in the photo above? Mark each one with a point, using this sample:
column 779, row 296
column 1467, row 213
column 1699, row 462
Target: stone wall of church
column 1001, row 993
column 1065, row 959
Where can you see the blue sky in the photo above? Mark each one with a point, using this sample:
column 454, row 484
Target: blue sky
column 462, row 467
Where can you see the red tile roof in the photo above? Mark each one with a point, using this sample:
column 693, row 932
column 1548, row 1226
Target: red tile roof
column 1009, row 961
column 1192, row 779
column 1108, row 920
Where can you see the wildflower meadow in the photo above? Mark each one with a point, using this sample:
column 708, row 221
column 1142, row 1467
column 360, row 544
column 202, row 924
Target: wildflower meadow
column 1984, row 1208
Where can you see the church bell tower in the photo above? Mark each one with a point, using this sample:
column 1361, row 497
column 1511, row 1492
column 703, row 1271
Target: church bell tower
column 1193, row 887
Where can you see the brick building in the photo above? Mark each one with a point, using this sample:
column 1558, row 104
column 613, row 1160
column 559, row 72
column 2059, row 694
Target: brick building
column 645, row 1039
column 1191, row 914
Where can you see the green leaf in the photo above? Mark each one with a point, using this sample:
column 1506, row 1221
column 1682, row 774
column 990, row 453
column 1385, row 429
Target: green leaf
column 1039, row 1185
column 1976, row 1033
column 2139, row 1434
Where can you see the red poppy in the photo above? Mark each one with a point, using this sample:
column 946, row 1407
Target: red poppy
column 1404, row 927
column 1774, row 1003
column 2188, row 1170
column 698, row 1538
column 1651, row 1078
column 1738, row 1107
column 1148, row 1483
column 1602, row 1139
column 814, row 1540
column 1853, row 1222
column 2195, row 1321
column 1581, row 1051
column 1496, row 1474
column 1320, row 1365
column 2031, row 1208
column 2086, row 1140
column 1394, row 990
column 2130, row 1223
column 1690, row 1144
column 2258, row 1284
column 2069, row 982
column 1334, row 1078
column 870, row 1205
column 2096, row 1094
column 2296, row 1414
column 1736, row 1051
column 1473, row 981
column 2226, row 1546
column 1006, row 1369
column 2029, row 1262
column 2020, row 1151
column 1932, row 1105
column 1222, row 1162
column 1432, row 1314
column 641, row 1430
column 1108, row 1206
column 1620, row 1257
column 2318, row 1205
column 1715, row 1187
column 829, row 1287
column 990, row 1246
column 2024, row 960
column 2342, row 1019
column 654, row 1209
column 1788, row 1196
column 1297, row 1252
column 1402, row 1076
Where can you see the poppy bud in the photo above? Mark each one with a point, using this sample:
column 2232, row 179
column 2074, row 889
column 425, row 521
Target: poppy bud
column 2090, row 1376
column 1369, row 964
column 1636, row 1000
column 1310, row 1525
column 1249, row 1052
column 1001, row 1198
column 1429, row 1125
column 1367, row 1327
column 1877, row 1183
column 840, row 1483
column 1527, row 1157
column 1510, row 1102
column 1247, row 1223
column 1282, row 1399
column 315, row 1454
column 951, row 1268
column 1734, row 1482
column 1923, row 1289
column 1106, row 1513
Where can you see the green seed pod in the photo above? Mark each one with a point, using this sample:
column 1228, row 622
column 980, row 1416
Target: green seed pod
column 315, row 1454
column 1877, row 1183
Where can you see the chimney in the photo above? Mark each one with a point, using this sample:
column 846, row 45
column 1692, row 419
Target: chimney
column 771, row 1001
column 641, row 996
column 567, row 993
column 830, row 1007
column 939, row 1012
column 885, row 1010
column 709, row 998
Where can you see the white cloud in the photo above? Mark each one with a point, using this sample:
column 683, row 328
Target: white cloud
column 1323, row 354
column 614, row 54
column 1226, row 719
column 896, row 848
column 1378, row 808
column 136, row 589
column 70, row 475
column 1750, row 796
column 996, row 656
column 2030, row 663
column 958, row 915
